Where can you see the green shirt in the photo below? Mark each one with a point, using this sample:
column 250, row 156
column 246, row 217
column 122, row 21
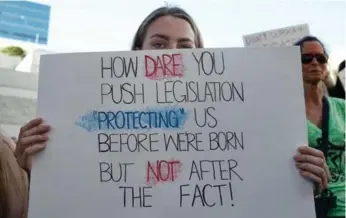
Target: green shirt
column 336, row 152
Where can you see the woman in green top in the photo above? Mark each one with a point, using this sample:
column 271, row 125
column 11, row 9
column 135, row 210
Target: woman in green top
column 314, row 60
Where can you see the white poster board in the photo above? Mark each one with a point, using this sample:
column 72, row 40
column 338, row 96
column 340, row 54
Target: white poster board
column 213, row 137
column 286, row 36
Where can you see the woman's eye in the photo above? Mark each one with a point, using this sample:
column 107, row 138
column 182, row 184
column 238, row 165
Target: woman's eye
column 158, row 45
column 186, row 46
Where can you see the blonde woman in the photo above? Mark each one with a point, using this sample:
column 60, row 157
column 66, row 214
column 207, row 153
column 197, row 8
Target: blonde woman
column 13, row 182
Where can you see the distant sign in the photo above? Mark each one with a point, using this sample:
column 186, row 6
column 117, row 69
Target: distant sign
column 278, row 37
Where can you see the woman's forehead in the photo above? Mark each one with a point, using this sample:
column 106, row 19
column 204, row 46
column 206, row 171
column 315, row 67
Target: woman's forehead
column 172, row 27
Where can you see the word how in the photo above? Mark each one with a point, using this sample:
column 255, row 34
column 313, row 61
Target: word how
column 119, row 67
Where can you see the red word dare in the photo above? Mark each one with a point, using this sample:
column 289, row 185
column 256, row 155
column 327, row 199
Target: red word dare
column 164, row 66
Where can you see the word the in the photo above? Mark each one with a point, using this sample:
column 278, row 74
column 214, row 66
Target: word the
column 214, row 169
column 124, row 93
column 128, row 142
column 162, row 171
column 163, row 66
column 108, row 173
column 158, row 118
column 209, row 59
column 118, row 67
column 192, row 91
column 204, row 195
column 134, row 198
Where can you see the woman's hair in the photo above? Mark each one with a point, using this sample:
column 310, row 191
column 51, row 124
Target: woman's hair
column 301, row 42
column 341, row 66
column 160, row 12
column 13, row 182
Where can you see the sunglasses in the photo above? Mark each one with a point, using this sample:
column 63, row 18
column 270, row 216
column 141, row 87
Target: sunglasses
column 308, row 58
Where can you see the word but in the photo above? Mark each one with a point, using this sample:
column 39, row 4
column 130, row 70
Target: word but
column 117, row 173
column 164, row 66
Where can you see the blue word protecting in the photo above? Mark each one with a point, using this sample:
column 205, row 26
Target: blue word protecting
column 156, row 118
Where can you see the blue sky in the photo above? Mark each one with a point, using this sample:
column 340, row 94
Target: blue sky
column 98, row 25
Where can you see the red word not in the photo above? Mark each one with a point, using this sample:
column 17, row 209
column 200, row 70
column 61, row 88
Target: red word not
column 164, row 66
column 162, row 171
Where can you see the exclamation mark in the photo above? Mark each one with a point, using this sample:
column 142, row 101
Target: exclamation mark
column 231, row 193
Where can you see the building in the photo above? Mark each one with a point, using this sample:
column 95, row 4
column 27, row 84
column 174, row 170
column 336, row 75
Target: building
column 24, row 21
column 18, row 94
column 24, row 24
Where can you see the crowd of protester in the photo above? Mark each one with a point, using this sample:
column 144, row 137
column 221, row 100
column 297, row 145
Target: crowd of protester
column 173, row 28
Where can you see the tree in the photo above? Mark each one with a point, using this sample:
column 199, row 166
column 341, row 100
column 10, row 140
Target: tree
column 14, row 51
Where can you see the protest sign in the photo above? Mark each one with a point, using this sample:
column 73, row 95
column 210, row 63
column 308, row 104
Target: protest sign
column 286, row 36
column 172, row 133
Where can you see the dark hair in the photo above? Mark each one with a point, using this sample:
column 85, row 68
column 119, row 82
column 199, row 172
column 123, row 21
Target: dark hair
column 341, row 66
column 160, row 12
column 301, row 42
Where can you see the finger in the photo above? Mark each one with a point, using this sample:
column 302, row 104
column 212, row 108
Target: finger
column 326, row 168
column 314, row 170
column 37, row 130
column 30, row 140
column 310, row 151
column 318, row 161
column 311, row 176
column 32, row 150
column 30, row 125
